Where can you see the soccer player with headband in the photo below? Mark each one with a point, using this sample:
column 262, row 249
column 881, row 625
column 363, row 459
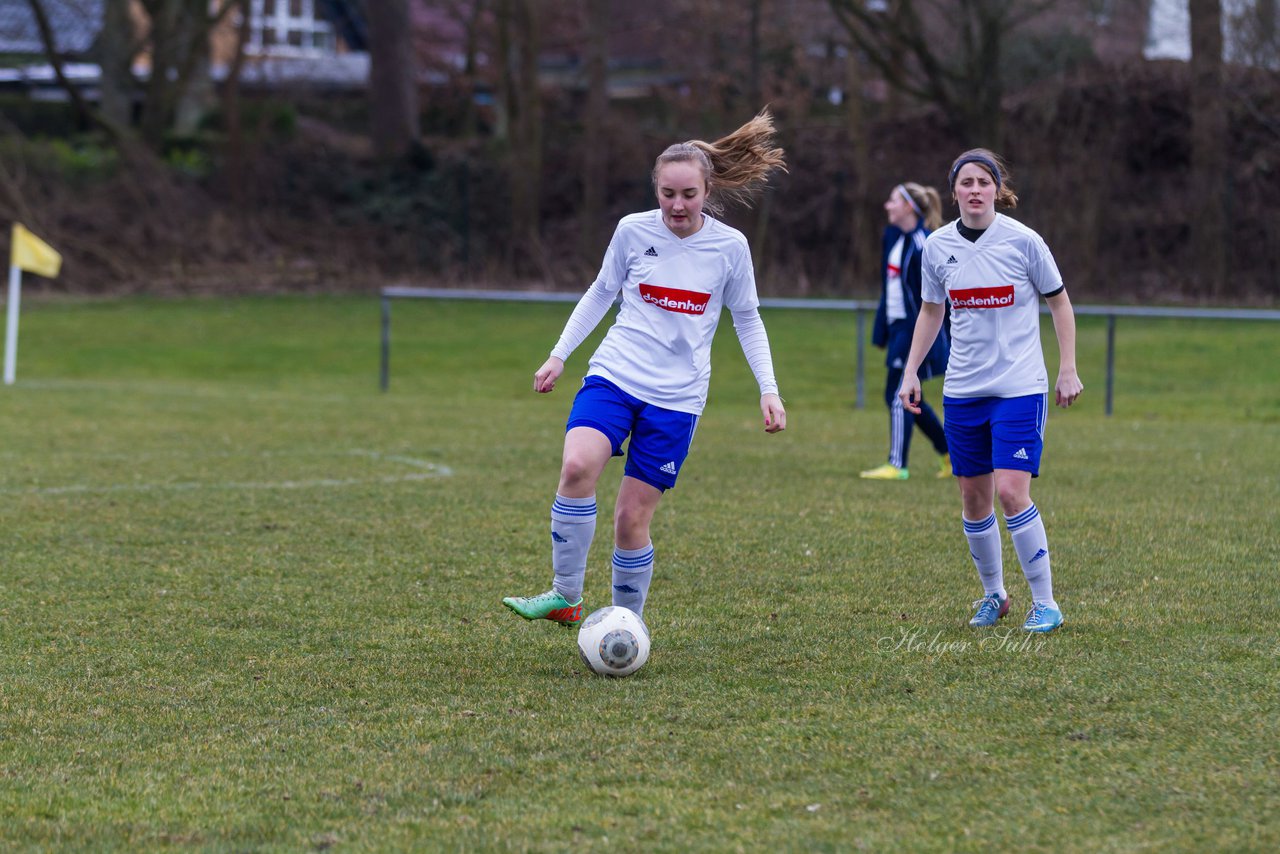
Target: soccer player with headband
column 993, row 270
column 676, row 267
column 914, row 211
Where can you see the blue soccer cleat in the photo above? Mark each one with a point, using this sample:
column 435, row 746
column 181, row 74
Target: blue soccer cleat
column 990, row 609
column 1042, row 618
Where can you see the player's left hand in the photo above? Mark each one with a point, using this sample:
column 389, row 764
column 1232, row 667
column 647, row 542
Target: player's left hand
column 544, row 380
column 775, row 414
column 1067, row 389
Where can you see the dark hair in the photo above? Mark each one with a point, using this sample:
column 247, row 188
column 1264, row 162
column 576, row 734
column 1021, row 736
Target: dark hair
column 989, row 160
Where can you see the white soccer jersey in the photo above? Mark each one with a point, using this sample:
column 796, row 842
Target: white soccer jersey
column 994, row 285
column 895, row 307
column 659, row 347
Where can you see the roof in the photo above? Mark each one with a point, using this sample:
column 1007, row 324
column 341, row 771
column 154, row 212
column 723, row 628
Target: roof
column 75, row 25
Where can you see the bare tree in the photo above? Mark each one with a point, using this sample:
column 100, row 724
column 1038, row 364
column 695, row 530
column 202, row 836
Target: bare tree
column 594, row 160
column 393, row 86
column 1256, row 28
column 519, row 122
column 942, row 52
column 119, row 132
column 178, row 41
column 115, row 57
column 1208, row 146
column 862, row 249
column 233, row 120
column 471, row 16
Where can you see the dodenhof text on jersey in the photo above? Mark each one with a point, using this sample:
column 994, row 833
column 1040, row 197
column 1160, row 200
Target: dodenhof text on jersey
column 1000, row 296
column 674, row 299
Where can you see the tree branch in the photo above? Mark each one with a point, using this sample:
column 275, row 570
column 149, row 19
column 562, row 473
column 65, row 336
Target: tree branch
column 91, row 116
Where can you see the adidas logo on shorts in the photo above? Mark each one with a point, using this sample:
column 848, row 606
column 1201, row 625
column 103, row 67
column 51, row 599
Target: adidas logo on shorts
column 669, row 468
column 1020, row 454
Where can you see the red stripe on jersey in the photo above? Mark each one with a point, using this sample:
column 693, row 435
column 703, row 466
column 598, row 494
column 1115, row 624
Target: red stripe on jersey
column 999, row 296
column 673, row 299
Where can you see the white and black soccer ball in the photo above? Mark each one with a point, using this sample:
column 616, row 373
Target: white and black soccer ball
column 614, row 641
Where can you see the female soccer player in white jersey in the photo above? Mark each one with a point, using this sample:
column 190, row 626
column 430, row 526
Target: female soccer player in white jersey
column 676, row 268
column 994, row 270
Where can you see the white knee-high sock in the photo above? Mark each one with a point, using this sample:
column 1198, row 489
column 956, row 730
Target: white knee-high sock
column 632, row 572
column 984, row 548
column 1032, row 545
column 573, row 525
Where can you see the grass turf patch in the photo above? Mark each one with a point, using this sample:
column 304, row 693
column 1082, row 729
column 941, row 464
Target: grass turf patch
column 250, row 602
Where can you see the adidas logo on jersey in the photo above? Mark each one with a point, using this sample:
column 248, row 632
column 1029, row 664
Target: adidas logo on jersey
column 669, row 468
column 1020, row 454
column 952, row 260
column 651, row 252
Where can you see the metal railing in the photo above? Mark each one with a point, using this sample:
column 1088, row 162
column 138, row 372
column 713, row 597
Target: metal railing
column 859, row 307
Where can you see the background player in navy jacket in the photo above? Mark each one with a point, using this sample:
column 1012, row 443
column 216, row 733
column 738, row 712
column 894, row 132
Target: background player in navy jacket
column 914, row 211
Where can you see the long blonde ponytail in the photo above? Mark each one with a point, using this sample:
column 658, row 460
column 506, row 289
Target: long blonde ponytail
column 736, row 166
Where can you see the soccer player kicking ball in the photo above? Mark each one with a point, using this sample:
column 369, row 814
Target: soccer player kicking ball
column 676, row 268
column 994, row 270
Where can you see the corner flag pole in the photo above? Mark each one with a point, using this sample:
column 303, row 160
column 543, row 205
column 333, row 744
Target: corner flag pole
column 30, row 253
column 11, row 324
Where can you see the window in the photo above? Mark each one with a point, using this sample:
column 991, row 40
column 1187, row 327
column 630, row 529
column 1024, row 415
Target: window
column 288, row 28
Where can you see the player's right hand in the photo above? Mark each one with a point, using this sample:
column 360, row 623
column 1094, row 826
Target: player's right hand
column 909, row 392
column 545, row 378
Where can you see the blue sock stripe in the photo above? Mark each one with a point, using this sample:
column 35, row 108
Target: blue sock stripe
column 978, row 527
column 573, row 510
column 632, row 563
column 1023, row 519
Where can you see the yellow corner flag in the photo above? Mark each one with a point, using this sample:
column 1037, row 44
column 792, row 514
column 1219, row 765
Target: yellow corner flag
column 30, row 253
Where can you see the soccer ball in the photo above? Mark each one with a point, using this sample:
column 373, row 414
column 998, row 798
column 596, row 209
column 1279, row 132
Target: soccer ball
column 614, row 641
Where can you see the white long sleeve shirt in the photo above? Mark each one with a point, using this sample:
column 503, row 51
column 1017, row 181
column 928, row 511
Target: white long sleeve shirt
column 673, row 290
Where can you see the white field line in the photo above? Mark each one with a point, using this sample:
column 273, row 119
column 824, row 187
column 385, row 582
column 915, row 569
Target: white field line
column 424, row 470
column 178, row 390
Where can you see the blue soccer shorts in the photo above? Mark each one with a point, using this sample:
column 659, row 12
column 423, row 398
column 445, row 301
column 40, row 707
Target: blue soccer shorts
column 660, row 438
column 989, row 433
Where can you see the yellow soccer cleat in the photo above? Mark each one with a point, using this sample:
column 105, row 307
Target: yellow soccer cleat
column 944, row 467
column 886, row 472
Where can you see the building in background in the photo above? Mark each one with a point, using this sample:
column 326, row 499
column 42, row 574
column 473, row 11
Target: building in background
column 289, row 42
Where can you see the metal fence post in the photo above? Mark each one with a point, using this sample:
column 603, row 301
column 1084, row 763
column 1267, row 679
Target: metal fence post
column 862, row 346
column 385, row 373
column 1111, row 358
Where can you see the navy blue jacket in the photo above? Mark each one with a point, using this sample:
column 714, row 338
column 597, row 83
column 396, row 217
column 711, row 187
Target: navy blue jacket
column 899, row 346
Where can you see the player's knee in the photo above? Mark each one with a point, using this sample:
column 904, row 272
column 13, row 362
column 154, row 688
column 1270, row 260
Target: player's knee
column 631, row 525
column 1013, row 498
column 577, row 472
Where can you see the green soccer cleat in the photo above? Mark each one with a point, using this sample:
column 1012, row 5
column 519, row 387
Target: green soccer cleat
column 888, row 471
column 944, row 467
column 547, row 606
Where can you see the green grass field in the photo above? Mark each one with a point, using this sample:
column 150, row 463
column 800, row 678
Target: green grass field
column 249, row 602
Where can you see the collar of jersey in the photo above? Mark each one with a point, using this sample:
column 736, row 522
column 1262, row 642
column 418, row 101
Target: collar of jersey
column 670, row 235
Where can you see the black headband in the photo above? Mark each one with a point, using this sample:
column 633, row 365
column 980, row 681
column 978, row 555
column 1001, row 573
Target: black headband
column 980, row 159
